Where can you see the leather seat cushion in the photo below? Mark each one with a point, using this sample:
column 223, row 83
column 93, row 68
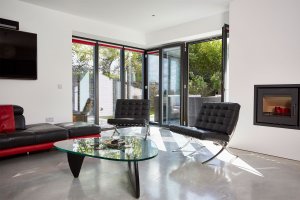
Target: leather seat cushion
column 47, row 132
column 77, row 129
column 127, row 121
column 17, row 139
column 4, row 141
column 199, row 133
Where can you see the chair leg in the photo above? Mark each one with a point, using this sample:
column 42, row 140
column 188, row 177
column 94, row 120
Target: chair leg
column 115, row 131
column 236, row 156
column 206, row 161
column 147, row 131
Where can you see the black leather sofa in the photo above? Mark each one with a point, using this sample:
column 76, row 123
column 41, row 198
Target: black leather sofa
column 36, row 137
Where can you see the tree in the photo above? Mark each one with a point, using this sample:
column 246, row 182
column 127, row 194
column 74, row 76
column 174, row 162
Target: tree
column 197, row 84
column 216, row 82
column 82, row 62
column 133, row 67
column 205, row 66
column 109, row 62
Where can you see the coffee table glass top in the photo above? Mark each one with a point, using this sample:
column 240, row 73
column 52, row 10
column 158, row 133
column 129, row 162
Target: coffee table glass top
column 128, row 148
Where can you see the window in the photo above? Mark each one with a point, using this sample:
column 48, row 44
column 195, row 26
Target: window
column 205, row 75
column 102, row 73
column 153, row 84
column 109, row 80
column 83, row 80
column 133, row 74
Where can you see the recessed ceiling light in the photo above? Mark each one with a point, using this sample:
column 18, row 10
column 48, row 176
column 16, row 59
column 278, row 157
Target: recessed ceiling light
column 153, row 15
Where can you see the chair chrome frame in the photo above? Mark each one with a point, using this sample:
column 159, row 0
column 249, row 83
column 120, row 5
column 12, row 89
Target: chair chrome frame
column 147, row 126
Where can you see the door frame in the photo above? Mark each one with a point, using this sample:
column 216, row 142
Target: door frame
column 160, row 92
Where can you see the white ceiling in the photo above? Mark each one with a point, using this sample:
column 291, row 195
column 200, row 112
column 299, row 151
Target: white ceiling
column 137, row 14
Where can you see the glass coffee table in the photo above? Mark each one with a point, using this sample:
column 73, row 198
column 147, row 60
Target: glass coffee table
column 131, row 149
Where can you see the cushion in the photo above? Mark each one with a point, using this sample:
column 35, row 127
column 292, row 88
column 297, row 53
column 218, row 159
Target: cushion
column 47, row 132
column 20, row 122
column 18, row 110
column 17, row 139
column 4, row 141
column 127, row 121
column 7, row 119
column 218, row 117
column 78, row 129
column 132, row 108
column 199, row 133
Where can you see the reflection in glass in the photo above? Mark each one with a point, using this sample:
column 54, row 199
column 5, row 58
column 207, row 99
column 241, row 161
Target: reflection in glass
column 277, row 105
column 153, row 85
column 135, row 148
column 171, row 85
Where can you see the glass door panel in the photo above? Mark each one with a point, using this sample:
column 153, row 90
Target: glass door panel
column 171, row 100
column 133, row 74
column 205, row 75
column 109, row 81
column 225, row 61
column 83, row 81
column 153, row 85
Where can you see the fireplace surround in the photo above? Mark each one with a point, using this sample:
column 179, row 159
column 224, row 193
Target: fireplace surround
column 277, row 105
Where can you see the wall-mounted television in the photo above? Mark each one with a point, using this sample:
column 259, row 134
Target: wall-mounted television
column 18, row 55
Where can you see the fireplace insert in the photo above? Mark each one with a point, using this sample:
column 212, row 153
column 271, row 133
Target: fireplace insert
column 276, row 105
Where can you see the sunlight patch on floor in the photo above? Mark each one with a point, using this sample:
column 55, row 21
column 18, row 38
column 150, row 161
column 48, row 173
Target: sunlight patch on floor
column 156, row 137
column 182, row 140
column 230, row 158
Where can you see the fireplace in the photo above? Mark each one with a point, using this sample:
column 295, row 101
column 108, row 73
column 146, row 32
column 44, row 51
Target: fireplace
column 276, row 105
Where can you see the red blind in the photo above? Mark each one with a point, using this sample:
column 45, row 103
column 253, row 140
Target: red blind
column 110, row 45
column 86, row 42
column 135, row 50
column 156, row 52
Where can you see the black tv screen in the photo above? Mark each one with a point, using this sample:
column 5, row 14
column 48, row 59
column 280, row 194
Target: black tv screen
column 18, row 54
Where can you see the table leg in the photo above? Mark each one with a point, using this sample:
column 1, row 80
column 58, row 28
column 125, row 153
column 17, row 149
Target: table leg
column 134, row 177
column 75, row 163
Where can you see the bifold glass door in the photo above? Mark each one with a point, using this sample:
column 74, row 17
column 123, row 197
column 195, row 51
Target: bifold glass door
column 153, row 84
column 177, row 78
column 133, row 73
column 108, row 80
column 83, row 81
column 205, row 75
column 102, row 73
column 170, row 84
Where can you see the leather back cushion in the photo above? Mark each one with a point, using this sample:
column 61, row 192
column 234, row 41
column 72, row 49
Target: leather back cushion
column 20, row 122
column 19, row 118
column 132, row 108
column 219, row 117
column 18, row 110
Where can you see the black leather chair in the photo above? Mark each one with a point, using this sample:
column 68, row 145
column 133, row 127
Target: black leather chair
column 131, row 112
column 215, row 122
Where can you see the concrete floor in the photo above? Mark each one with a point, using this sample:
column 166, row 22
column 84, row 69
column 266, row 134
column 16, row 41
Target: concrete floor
column 46, row 175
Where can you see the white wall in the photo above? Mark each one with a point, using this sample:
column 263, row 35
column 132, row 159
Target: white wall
column 42, row 98
column 264, row 49
column 193, row 30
